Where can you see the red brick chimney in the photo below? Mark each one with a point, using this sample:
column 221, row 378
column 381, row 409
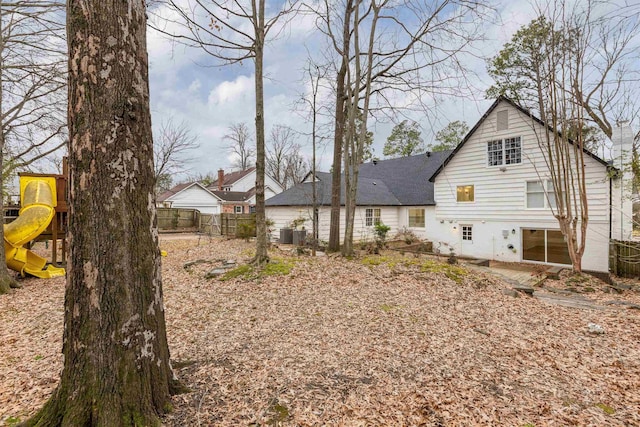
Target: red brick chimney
column 220, row 179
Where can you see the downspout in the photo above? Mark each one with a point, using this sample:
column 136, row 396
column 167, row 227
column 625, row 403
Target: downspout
column 610, row 206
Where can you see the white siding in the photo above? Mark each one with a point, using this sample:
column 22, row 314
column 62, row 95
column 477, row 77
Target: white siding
column 248, row 182
column 282, row 217
column 500, row 197
column 403, row 220
column 195, row 197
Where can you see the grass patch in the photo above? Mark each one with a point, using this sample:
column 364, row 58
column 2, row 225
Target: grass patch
column 275, row 267
column 606, row 409
column 390, row 261
column 242, row 271
column 12, row 421
column 577, row 279
column 387, row 308
column 278, row 267
column 453, row 272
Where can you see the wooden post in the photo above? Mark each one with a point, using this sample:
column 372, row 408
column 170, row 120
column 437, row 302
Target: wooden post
column 54, row 239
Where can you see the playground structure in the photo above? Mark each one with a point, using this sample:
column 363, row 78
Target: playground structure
column 41, row 217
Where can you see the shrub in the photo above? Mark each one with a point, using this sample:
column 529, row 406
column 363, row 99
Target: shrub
column 406, row 235
column 380, row 231
column 246, row 230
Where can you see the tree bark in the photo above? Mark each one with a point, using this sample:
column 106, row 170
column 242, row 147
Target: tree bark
column 6, row 281
column 338, row 138
column 116, row 358
column 261, row 230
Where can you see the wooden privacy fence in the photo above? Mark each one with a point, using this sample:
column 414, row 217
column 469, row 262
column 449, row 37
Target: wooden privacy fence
column 178, row 219
column 209, row 224
column 624, row 258
column 230, row 223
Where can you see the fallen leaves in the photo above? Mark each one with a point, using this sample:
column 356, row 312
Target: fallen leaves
column 338, row 342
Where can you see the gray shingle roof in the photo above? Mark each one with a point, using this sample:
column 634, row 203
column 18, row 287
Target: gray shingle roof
column 395, row 182
column 232, row 196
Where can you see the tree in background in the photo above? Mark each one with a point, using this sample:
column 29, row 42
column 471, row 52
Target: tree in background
column 241, row 146
column 606, row 48
column 405, row 140
column 367, row 150
column 574, row 66
column 169, row 150
column 450, row 136
column 32, row 92
column 233, row 31
column 116, row 357
column 285, row 162
column 407, row 49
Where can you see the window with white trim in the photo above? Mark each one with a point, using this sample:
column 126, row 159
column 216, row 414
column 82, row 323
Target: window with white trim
column 416, row 217
column 507, row 151
column 467, row 232
column 372, row 217
column 239, row 209
column 536, row 197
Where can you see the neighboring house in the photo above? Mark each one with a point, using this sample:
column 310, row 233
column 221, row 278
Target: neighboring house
column 396, row 192
column 230, row 193
column 236, row 190
column 485, row 199
column 191, row 195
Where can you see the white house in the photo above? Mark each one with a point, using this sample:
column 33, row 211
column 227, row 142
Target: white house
column 396, row 192
column 489, row 198
column 191, row 195
column 236, row 190
column 233, row 192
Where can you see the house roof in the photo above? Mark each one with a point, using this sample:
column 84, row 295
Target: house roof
column 394, row 182
column 174, row 190
column 231, row 178
column 233, row 196
column 166, row 195
column 484, row 117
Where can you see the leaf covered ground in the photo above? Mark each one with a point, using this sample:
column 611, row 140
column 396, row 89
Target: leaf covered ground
column 377, row 340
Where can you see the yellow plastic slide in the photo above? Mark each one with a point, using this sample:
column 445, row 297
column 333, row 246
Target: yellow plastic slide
column 38, row 196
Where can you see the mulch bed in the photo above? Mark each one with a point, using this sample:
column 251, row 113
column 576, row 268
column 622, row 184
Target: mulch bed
column 351, row 342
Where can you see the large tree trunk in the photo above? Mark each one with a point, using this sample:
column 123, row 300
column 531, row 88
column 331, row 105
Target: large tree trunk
column 261, row 229
column 6, row 281
column 116, row 358
column 336, row 172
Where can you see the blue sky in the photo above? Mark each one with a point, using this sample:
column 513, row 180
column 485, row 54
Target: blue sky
column 189, row 86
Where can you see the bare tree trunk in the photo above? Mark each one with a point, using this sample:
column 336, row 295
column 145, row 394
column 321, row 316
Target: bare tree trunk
column 116, row 358
column 6, row 281
column 338, row 140
column 261, row 230
column 336, row 172
column 357, row 88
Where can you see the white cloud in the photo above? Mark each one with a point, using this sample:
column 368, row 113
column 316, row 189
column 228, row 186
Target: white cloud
column 231, row 91
column 195, row 86
column 210, row 99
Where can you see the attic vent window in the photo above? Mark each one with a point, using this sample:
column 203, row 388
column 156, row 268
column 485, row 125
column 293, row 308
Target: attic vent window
column 503, row 120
